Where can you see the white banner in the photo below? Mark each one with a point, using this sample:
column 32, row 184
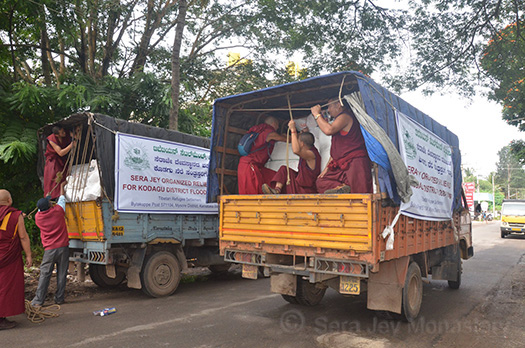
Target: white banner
column 429, row 159
column 158, row 176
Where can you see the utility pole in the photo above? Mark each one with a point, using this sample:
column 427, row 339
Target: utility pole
column 508, row 180
column 493, row 198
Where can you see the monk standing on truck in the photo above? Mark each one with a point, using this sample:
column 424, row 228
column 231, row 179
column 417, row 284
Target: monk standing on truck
column 302, row 180
column 58, row 146
column 251, row 173
column 348, row 170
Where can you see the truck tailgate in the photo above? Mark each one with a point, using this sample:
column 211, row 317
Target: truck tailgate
column 84, row 221
column 341, row 222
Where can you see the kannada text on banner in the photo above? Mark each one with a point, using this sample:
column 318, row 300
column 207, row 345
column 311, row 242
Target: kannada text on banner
column 158, row 176
column 429, row 160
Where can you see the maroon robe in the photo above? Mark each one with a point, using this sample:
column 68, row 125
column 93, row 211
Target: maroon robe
column 251, row 173
column 54, row 164
column 12, row 301
column 302, row 181
column 350, row 164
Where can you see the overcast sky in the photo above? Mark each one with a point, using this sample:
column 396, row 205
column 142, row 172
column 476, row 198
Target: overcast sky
column 478, row 124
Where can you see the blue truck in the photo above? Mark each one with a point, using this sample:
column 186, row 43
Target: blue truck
column 148, row 249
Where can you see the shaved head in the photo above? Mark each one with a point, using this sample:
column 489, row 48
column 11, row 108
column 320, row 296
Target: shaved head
column 5, row 198
column 307, row 138
column 272, row 121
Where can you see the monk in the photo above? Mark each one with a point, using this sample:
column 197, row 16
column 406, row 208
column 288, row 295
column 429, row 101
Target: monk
column 58, row 146
column 302, row 180
column 251, row 173
column 13, row 239
column 348, row 169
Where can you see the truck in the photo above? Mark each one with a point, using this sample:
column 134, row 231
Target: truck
column 512, row 217
column 132, row 213
column 414, row 225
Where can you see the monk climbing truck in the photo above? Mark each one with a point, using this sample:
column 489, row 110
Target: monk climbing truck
column 413, row 225
column 136, row 203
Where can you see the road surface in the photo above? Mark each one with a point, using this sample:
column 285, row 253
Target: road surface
column 487, row 311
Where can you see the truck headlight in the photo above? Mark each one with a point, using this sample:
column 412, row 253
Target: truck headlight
column 504, row 224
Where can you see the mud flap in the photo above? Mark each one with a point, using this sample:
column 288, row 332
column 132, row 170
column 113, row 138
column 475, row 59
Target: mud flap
column 385, row 288
column 449, row 268
column 134, row 269
column 284, row 284
column 111, row 271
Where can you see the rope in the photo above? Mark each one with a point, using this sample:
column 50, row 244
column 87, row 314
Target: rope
column 285, row 109
column 59, row 175
column 39, row 314
column 378, row 92
column 102, row 126
column 288, row 135
column 341, row 90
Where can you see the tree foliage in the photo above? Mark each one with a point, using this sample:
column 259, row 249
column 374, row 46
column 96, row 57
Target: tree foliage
column 504, row 61
column 510, row 176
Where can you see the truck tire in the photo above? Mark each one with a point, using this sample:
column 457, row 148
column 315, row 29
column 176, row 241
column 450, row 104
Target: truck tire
column 308, row 294
column 290, row 299
column 97, row 273
column 503, row 234
column 161, row 274
column 455, row 284
column 412, row 293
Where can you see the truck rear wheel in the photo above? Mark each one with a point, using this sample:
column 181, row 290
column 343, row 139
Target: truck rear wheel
column 412, row 293
column 455, row 284
column 290, row 299
column 98, row 275
column 308, row 294
column 161, row 274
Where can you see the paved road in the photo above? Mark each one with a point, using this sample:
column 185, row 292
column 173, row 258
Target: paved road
column 233, row 312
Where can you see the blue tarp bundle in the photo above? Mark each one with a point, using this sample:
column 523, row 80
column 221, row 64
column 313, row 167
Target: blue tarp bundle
column 379, row 103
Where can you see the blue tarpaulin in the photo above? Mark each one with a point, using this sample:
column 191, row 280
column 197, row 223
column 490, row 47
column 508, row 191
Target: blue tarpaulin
column 235, row 113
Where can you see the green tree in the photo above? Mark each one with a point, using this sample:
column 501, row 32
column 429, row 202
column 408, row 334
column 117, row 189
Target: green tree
column 504, row 61
column 517, row 147
column 510, row 175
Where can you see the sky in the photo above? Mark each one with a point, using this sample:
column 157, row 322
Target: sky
column 477, row 123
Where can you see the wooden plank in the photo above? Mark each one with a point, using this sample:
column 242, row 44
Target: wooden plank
column 226, row 172
column 227, row 150
column 293, row 235
column 237, row 130
column 358, row 247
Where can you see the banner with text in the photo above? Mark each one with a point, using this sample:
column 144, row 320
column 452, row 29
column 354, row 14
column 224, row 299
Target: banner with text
column 429, row 159
column 158, row 176
column 469, row 188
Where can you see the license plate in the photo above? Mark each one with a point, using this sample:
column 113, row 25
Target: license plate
column 249, row 271
column 349, row 285
column 517, row 229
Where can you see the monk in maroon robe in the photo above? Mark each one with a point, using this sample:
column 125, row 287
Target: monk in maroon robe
column 13, row 238
column 349, row 167
column 58, row 146
column 302, row 180
column 251, row 173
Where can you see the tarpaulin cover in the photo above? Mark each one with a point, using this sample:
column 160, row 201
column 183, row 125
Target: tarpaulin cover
column 244, row 110
column 105, row 141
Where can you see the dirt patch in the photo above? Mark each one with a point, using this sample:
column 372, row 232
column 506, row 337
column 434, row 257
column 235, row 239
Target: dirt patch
column 74, row 288
column 78, row 289
column 497, row 322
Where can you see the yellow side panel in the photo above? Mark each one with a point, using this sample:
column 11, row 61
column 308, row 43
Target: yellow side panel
column 84, row 221
column 324, row 221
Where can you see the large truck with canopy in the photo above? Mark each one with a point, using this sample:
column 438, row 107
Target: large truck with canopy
column 136, row 202
column 414, row 225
